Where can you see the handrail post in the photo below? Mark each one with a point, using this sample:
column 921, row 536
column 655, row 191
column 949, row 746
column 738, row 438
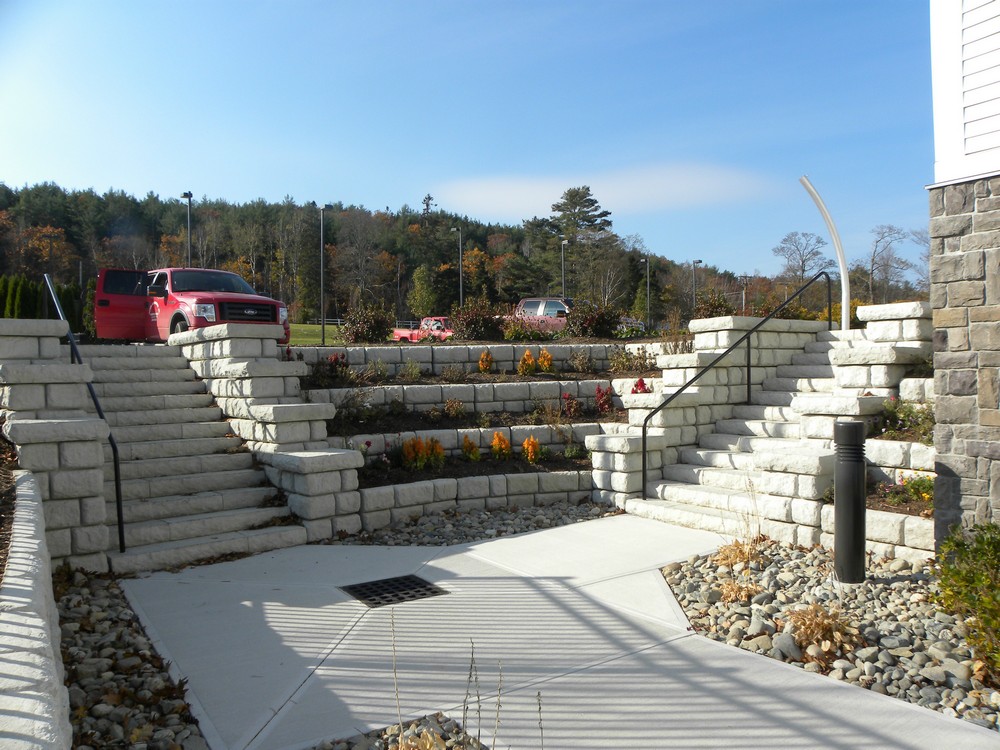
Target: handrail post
column 75, row 358
column 748, row 368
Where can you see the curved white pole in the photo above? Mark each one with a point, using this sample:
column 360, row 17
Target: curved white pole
column 845, row 281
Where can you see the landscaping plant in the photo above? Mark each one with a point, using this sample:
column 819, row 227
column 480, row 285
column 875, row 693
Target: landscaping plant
column 367, row 324
column 603, row 400
column 470, row 450
column 968, row 567
column 641, row 387
column 545, row 361
column 500, row 446
column 485, row 362
column 527, row 365
column 419, row 454
column 905, row 420
column 532, row 452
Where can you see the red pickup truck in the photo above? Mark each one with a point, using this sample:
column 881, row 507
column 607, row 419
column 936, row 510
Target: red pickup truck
column 435, row 327
column 150, row 305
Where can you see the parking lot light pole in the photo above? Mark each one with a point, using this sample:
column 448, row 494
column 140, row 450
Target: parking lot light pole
column 189, row 197
column 562, row 256
column 694, row 286
column 646, row 261
column 322, row 264
column 461, row 293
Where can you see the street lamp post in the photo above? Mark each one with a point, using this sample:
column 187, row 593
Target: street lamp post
column 322, row 265
column 461, row 292
column 694, row 286
column 646, row 261
column 744, row 283
column 562, row 257
column 189, row 197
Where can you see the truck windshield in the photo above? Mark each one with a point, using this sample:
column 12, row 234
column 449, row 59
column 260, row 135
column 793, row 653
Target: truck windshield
column 209, row 281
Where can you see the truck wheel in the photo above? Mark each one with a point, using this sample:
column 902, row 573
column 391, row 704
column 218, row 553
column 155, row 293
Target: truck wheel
column 179, row 326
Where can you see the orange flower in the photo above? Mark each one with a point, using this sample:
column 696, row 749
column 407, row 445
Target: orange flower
column 532, row 451
column 527, row 365
column 485, row 361
column 500, row 446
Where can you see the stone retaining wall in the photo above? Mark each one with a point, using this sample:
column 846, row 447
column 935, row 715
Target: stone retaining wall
column 42, row 401
column 34, row 703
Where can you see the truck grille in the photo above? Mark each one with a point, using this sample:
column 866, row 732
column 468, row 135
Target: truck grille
column 248, row 312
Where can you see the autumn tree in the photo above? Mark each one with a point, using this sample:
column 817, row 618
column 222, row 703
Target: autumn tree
column 802, row 253
column 883, row 265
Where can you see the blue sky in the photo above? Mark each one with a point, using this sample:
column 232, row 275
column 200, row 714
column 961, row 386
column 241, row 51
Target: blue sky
column 691, row 125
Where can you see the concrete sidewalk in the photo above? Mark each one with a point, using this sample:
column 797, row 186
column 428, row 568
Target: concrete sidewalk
column 277, row 656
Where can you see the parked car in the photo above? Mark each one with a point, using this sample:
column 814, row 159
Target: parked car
column 138, row 305
column 433, row 327
column 544, row 313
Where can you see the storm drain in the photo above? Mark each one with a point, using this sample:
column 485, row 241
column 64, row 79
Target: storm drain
column 392, row 591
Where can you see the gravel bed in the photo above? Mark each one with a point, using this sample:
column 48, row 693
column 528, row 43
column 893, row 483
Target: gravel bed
column 904, row 646
column 122, row 697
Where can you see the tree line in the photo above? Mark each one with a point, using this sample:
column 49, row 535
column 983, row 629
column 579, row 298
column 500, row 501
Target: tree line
column 406, row 260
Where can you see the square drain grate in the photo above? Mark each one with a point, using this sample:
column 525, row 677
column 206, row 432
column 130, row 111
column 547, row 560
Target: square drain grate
column 392, row 591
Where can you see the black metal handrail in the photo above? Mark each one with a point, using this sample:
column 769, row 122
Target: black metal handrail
column 745, row 337
column 75, row 358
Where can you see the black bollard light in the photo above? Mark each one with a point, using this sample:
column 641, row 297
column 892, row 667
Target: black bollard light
column 849, row 502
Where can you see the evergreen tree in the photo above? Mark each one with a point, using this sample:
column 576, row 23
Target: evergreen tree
column 422, row 299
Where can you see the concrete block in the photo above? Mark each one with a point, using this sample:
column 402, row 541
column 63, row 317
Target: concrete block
column 918, row 533
column 313, row 506
column 469, row 488
column 76, row 483
column 352, row 524
column 374, row 520
column 317, row 530
column 38, row 457
column 80, row 455
column 348, row 503
column 417, row 493
column 87, row 539
column 884, row 527
column 315, row 485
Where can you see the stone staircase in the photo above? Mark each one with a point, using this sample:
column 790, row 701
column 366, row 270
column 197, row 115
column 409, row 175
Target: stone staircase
column 754, row 471
column 190, row 488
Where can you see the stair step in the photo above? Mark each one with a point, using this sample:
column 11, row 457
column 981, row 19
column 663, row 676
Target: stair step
column 172, row 554
column 800, row 385
column 147, row 449
column 746, row 505
column 143, row 375
column 765, row 412
column 155, row 388
column 159, row 364
column 180, row 466
column 771, row 398
column 199, row 525
column 854, row 334
column 173, row 506
column 804, row 371
column 164, row 416
column 148, row 488
column 725, row 459
column 807, row 487
column 811, row 358
column 123, row 404
column 747, row 444
column 758, row 427
column 133, row 351
column 167, row 431
column 689, row 516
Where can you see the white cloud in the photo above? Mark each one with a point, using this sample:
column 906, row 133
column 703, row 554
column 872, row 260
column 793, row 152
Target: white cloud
column 632, row 191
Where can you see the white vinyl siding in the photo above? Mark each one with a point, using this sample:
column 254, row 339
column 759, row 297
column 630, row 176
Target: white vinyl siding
column 965, row 51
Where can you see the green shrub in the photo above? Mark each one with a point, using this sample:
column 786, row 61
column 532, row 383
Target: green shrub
column 713, row 304
column 588, row 319
column 478, row 320
column 968, row 571
column 367, row 324
column 519, row 329
column 621, row 361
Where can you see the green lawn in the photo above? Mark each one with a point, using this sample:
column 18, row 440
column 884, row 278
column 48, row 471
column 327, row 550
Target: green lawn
column 307, row 334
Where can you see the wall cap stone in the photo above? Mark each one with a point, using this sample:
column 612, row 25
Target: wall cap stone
column 895, row 311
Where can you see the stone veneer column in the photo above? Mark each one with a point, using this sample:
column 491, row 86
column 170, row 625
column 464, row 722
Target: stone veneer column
column 965, row 296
